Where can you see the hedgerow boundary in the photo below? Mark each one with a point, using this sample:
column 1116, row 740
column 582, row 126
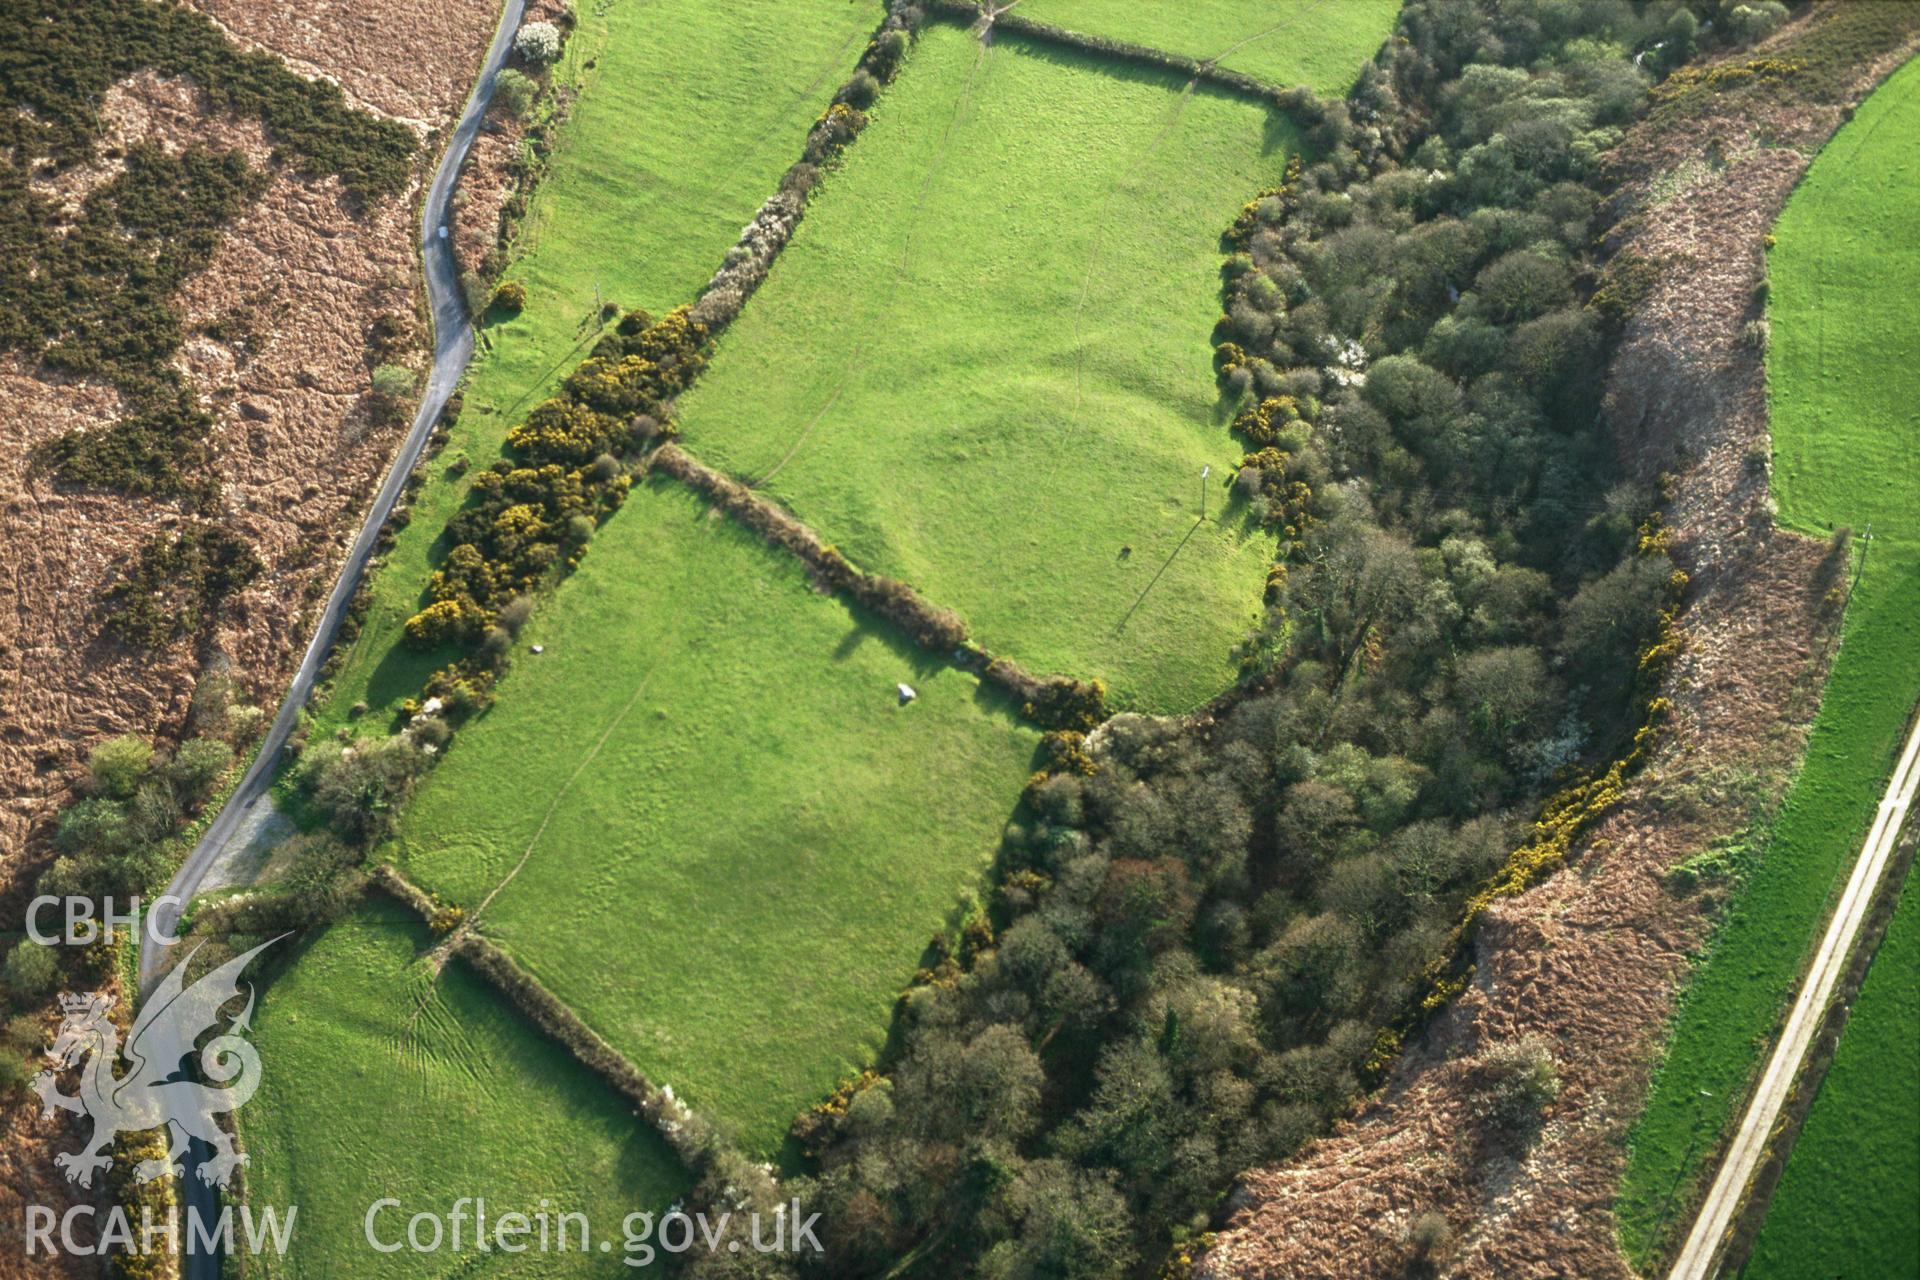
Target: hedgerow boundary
column 573, row 449
column 931, row 626
column 1053, row 702
column 694, row 1139
column 682, row 340
column 684, row 336
column 158, row 1198
column 725, row 1177
column 968, row 13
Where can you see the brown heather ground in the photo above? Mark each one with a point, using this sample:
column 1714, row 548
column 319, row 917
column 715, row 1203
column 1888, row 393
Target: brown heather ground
column 298, row 455
column 410, row 59
column 1590, row 958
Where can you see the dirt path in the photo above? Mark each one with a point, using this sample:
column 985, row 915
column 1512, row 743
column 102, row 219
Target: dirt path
column 553, row 806
column 1699, row 1257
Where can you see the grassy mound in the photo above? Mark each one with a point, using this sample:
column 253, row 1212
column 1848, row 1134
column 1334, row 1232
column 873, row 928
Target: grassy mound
column 982, row 366
column 380, row 1081
column 1845, row 274
column 731, row 842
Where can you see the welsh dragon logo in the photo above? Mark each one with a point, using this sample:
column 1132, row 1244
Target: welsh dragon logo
column 155, row 1091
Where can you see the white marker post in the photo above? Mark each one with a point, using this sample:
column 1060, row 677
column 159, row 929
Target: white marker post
column 1204, row 473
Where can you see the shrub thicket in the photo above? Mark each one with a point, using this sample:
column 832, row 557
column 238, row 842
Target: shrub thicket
column 176, row 586
column 92, row 296
column 1517, row 1081
column 113, row 839
column 30, row 971
column 95, row 302
column 510, row 297
column 116, row 840
column 538, row 43
column 392, row 391
column 517, row 92
column 533, row 511
column 360, row 785
column 80, row 49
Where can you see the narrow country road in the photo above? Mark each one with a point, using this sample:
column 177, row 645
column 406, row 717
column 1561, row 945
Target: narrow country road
column 453, row 348
column 1700, row 1256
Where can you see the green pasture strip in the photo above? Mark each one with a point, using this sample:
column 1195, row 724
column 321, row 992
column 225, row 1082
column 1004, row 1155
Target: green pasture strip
column 379, row 1080
column 982, row 365
column 1845, row 274
column 682, row 126
column 736, row 841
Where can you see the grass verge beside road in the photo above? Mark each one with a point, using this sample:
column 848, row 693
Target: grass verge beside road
column 1847, row 1201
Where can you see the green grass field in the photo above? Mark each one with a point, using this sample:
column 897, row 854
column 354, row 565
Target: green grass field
column 983, row 366
column 704, row 821
column 1846, row 275
column 736, row 843
column 1847, row 1203
column 683, row 125
column 378, row 1080
column 1318, row 43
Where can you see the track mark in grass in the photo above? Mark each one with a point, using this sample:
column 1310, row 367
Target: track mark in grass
column 736, row 840
column 773, row 129
column 1257, row 37
column 1044, row 387
column 433, row 1041
column 553, row 805
column 568, row 357
column 805, row 434
column 340, row 1121
column 857, row 360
